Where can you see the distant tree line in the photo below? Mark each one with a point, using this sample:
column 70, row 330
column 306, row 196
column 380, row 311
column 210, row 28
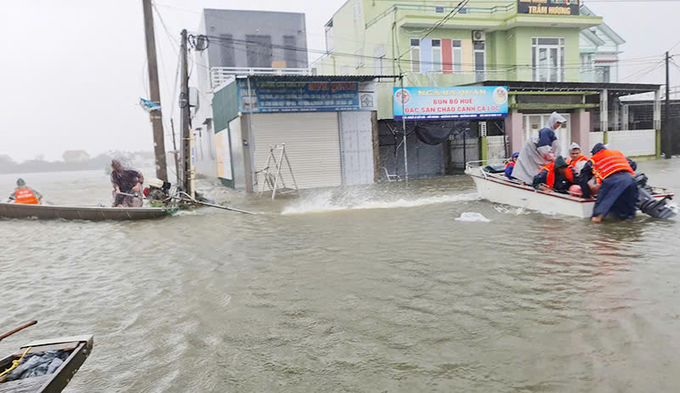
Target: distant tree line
column 102, row 161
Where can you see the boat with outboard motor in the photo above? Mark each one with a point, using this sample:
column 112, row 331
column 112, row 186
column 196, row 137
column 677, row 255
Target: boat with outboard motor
column 494, row 186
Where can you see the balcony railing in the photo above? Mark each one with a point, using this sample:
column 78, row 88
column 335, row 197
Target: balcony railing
column 436, row 10
column 222, row 75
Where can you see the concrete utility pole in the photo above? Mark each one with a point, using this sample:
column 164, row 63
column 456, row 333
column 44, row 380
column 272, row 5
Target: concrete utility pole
column 155, row 116
column 668, row 138
column 185, row 119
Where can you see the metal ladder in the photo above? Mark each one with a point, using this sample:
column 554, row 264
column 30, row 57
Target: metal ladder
column 272, row 177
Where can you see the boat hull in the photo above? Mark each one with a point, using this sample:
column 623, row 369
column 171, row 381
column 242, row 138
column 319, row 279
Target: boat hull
column 90, row 213
column 498, row 189
column 529, row 198
column 79, row 347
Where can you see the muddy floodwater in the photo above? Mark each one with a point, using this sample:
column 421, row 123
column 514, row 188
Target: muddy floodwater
column 366, row 289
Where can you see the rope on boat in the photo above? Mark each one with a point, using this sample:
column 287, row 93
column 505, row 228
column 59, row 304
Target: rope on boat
column 15, row 363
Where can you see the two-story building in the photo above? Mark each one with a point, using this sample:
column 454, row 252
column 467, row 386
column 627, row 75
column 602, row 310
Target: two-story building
column 553, row 55
column 241, row 42
column 257, row 97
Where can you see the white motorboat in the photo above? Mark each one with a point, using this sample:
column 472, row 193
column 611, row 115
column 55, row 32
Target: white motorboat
column 494, row 186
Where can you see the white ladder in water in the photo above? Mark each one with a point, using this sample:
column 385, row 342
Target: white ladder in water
column 272, row 177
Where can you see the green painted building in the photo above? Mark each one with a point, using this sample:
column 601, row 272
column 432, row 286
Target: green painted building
column 546, row 52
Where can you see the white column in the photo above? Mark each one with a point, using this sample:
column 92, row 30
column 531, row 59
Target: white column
column 616, row 116
column 604, row 110
column 657, row 110
column 625, row 118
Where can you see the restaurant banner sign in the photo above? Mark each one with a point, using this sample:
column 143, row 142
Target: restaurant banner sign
column 265, row 96
column 548, row 7
column 441, row 103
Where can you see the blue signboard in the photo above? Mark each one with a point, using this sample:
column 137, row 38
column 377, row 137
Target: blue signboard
column 440, row 103
column 264, row 96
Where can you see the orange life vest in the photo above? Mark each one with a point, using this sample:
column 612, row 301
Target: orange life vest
column 573, row 163
column 550, row 181
column 607, row 162
column 24, row 196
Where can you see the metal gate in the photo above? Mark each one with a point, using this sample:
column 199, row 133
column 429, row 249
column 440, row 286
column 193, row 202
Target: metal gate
column 496, row 148
column 462, row 151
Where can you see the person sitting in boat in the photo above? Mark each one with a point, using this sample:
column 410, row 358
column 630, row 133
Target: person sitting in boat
column 126, row 181
column 556, row 176
column 576, row 160
column 540, row 150
column 618, row 192
column 511, row 165
column 25, row 195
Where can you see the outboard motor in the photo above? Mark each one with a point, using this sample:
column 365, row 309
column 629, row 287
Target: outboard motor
column 158, row 190
column 646, row 202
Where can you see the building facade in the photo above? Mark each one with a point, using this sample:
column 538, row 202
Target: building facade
column 548, row 54
column 241, row 42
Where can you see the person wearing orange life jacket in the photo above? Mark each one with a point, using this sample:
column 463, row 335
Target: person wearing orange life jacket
column 24, row 195
column 576, row 160
column 511, row 165
column 556, row 176
column 618, row 193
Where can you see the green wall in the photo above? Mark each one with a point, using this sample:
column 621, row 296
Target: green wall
column 225, row 107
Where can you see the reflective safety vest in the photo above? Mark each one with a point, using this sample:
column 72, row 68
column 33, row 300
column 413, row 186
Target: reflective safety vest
column 511, row 163
column 550, row 181
column 607, row 162
column 573, row 163
column 24, row 196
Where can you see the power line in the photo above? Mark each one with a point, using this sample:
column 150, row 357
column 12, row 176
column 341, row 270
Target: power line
column 230, row 43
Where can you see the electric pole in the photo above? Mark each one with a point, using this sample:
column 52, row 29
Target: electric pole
column 174, row 149
column 185, row 119
column 155, row 116
column 668, row 138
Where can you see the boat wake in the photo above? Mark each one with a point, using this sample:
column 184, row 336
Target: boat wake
column 327, row 202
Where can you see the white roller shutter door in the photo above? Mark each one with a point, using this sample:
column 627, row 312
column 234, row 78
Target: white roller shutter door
column 312, row 144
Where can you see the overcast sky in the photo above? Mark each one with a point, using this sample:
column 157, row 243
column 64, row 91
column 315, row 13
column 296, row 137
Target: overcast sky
column 73, row 70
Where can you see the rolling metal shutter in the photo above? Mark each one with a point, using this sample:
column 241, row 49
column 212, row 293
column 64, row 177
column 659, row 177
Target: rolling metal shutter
column 312, row 144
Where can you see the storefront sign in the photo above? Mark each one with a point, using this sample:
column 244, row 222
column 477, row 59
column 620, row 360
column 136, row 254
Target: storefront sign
column 548, row 7
column 436, row 103
column 264, row 96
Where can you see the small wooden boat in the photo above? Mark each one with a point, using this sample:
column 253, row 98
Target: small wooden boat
column 74, row 349
column 91, row 213
column 496, row 187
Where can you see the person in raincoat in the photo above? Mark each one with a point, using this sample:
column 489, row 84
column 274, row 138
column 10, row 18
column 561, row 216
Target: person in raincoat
column 618, row 193
column 540, row 150
column 126, row 181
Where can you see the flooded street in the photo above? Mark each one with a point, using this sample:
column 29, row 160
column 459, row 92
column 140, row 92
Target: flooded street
column 369, row 289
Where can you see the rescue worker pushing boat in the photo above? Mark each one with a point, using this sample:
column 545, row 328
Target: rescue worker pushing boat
column 540, row 150
column 618, row 193
column 24, row 195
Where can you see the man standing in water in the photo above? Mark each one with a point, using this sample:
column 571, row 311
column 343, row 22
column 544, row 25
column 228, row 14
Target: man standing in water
column 619, row 192
column 126, row 181
column 540, row 150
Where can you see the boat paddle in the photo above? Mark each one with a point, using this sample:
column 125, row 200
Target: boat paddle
column 20, row 328
column 192, row 200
